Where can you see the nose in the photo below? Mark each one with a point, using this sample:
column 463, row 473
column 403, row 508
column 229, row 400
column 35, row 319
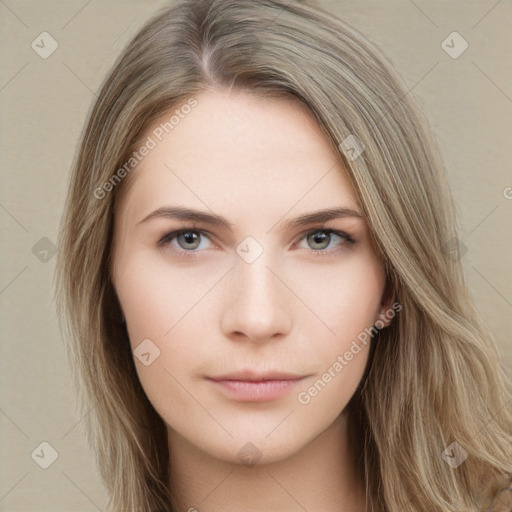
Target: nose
column 256, row 305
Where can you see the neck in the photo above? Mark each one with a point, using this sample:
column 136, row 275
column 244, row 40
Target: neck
column 321, row 476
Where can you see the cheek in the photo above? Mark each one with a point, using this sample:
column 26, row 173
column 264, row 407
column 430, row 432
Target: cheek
column 346, row 298
column 163, row 307
column 348, row 301
column 156, row 297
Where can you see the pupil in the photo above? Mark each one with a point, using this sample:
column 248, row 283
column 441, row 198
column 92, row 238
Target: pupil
column 320, row 238
column 189, row 237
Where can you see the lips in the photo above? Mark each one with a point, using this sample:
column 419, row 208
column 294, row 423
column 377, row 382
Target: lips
column 253, row 386
column 253, row 376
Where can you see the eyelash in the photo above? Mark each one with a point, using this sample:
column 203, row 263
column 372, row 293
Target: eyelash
column 166, row 239
column 346, row 240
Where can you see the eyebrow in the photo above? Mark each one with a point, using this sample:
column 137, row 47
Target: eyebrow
column 211, row 219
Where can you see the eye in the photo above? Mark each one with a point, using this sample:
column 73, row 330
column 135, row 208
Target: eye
column 325, row 241
column 188, row 240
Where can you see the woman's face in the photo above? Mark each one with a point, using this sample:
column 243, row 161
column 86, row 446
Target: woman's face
column 246, row 276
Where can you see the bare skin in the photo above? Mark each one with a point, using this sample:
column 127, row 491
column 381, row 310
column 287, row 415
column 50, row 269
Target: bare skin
column 249, row 379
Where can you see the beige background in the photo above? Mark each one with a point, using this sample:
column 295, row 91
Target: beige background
column 44, row 102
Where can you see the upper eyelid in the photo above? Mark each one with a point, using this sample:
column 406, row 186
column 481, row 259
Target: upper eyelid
column 329, row 230
column 337, row 232
column 173, row 234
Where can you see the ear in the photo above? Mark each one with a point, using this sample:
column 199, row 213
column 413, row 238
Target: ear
column 388, row 308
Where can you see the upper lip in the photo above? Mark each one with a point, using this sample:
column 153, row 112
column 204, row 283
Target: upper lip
column 253, row 376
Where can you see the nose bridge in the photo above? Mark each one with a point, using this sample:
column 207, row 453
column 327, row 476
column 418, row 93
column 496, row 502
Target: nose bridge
column 257, row 306
column 257, row 283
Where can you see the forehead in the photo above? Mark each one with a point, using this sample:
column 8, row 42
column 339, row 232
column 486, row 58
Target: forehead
column 235, row 152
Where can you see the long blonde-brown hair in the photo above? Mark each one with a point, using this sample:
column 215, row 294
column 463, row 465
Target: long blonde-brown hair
column 434, row 377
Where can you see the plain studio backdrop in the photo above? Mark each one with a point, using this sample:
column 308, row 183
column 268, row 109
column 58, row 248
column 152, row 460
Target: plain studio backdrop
column 46, row 89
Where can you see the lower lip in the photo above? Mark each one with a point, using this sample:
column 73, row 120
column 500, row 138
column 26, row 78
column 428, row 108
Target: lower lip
column 252, row 391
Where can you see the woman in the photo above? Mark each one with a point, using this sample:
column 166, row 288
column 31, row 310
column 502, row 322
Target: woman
column 256, row 279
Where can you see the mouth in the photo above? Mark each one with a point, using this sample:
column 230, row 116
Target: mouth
column 249, row 386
